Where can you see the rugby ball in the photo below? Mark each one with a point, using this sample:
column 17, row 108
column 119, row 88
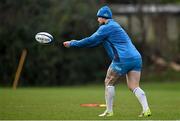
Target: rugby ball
column 44, row 37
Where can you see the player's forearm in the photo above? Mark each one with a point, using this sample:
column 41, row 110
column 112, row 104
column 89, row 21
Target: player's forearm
column 78, row 43
column 86, row 42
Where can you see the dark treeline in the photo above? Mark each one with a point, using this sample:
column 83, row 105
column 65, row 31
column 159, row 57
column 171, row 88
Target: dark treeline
column 49, row 64
column 52, row 64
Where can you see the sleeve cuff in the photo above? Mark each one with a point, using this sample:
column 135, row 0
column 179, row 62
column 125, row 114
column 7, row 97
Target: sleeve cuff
column 71, row 43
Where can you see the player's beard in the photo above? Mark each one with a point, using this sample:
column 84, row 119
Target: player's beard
column 101, row 23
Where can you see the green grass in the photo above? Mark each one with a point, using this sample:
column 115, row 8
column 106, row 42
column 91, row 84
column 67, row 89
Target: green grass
column 64, row 102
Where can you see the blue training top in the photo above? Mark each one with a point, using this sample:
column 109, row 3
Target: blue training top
column 114, row 39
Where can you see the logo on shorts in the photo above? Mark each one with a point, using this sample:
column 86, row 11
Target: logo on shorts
column 118, row 69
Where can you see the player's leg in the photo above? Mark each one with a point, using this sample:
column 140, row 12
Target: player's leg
column 110, row 80
column 133, row 78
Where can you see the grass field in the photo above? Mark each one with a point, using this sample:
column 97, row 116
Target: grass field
column 64, row 103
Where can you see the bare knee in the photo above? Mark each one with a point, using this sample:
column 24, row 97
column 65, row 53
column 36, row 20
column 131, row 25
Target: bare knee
column 111, row 78
column 131, row 87
column 109, row 83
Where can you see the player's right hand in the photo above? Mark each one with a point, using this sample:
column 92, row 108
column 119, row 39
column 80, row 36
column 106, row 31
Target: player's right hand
column 66, row 44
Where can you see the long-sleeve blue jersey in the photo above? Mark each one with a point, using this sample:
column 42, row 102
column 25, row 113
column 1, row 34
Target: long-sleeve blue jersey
column 114, row 39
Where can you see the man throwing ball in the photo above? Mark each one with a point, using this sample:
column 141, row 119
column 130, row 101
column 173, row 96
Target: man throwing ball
column 126, row 60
